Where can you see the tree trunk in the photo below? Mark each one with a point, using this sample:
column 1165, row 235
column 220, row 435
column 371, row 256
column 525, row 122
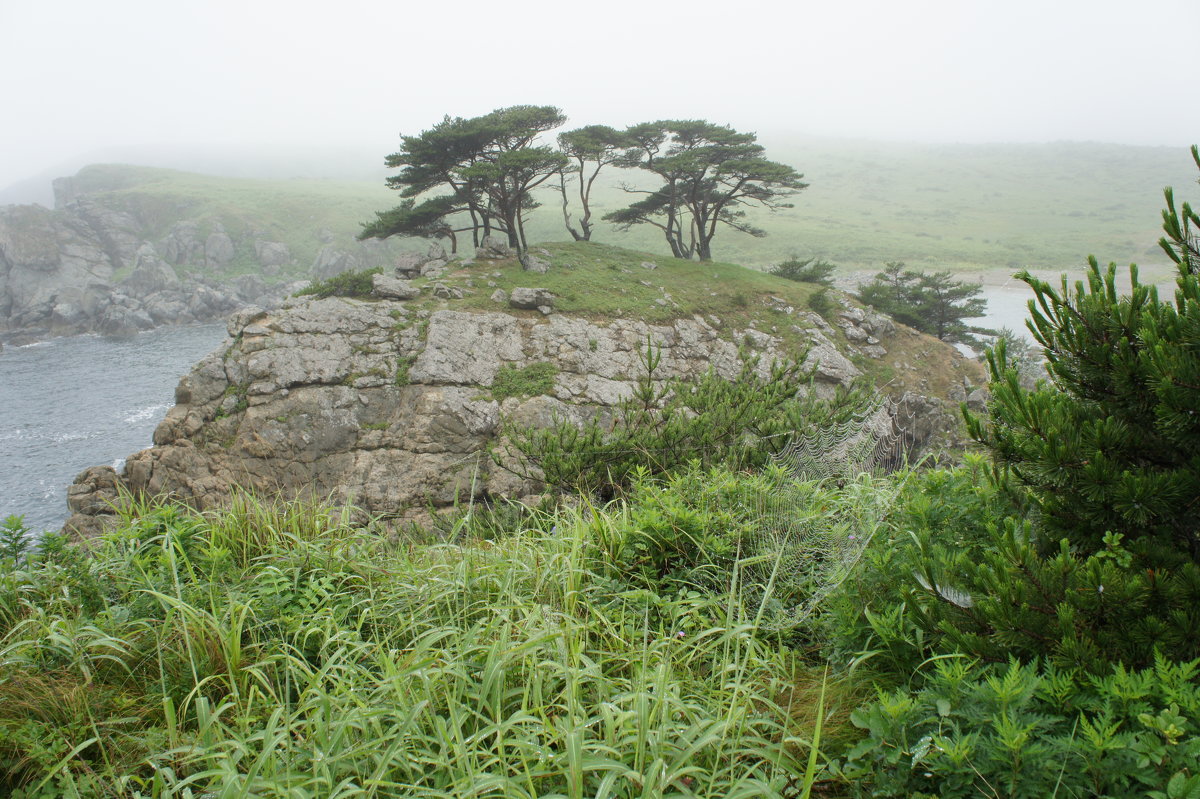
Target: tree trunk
column 567, row 214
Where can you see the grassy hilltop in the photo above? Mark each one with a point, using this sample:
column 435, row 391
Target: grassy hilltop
column 600, row 281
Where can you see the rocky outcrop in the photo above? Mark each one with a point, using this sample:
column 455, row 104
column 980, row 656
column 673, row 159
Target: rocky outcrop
column 103, row 263
column 388, row 406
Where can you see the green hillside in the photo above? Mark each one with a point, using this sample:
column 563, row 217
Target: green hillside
column 295, row 212
column 959, row 207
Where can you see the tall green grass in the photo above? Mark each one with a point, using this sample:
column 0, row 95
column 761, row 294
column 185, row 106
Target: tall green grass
column 276, row 650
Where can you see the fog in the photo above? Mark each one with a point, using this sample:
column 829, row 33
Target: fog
column 224, row 85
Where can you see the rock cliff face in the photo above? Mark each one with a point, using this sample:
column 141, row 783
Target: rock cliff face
column 103, row 263
column 389, row 405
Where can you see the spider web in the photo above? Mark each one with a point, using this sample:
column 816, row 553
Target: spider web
column 812, row 526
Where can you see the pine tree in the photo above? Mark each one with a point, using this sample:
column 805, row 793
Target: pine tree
column 1111, row 443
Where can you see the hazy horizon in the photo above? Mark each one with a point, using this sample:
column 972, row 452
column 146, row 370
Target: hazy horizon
column 142, row 77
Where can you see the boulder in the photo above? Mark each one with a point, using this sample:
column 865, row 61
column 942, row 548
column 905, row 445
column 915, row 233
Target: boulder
column 408, row 265
column 493, row 247
column 218, row 249
column 393, row 288
column 92, row 500
column 272, row 253
column 434, row 268
column 531, row 298
column 531, row 263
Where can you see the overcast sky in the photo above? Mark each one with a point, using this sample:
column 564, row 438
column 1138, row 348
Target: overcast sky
column 80, row 76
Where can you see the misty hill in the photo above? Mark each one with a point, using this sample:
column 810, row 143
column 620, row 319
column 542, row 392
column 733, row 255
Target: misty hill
column 961, row 208
column 128, row 248
column 957, row 207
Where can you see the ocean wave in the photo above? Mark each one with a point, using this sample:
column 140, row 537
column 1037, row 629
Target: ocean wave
column 148, row 412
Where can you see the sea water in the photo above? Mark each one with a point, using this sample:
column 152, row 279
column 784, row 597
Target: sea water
column 70, row 403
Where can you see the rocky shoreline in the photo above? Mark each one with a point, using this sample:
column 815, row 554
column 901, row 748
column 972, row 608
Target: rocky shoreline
column 391, row 406
column 99, row 263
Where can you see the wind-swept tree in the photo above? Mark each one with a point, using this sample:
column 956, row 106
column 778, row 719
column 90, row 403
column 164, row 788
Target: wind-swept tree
column 436, row 158
column 711, row 174
column 490, row 164
column 589, row 149
column 430, row 220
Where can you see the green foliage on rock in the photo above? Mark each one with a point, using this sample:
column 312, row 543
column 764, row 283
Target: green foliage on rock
column 805, row 270
column 527, row 381
column 356, row 284
column 929, row 302
column 667, row 424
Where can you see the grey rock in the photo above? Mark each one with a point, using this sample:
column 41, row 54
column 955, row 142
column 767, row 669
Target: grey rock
column 182, row 244
column 331, row 261
column 493, row 247
column 92, row 499
column 151, row 275
column 832, row 367
column 272, row 253
column 218, row 249
column 408, row 265
column 649, row 265
column 855, row 315
column 436, row 252
column 393, row 288
column 447, row 292
column 878, row 325
column 977, row 400
column 531, row 298
column 307, row 399
column 434, row 268
column 499, row 296
column 243, row 318
column 531, row 263
column 855, row 334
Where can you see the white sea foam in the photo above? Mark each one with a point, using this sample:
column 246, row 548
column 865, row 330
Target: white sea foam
column 148, row 412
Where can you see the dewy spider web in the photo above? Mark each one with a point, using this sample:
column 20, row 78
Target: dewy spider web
column 807, row 536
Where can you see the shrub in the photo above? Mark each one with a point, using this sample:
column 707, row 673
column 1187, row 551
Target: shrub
column 782, row 544
column 347, row 284
column 820, row 304
column 961, row 573
column 874, row 618
column 15, row 538
column 808, row 270
column 1028, row 731
column 526, row 381
column 667, row 424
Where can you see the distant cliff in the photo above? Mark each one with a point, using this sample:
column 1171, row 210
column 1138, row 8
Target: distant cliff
column 130, row 248
column 392, row 405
